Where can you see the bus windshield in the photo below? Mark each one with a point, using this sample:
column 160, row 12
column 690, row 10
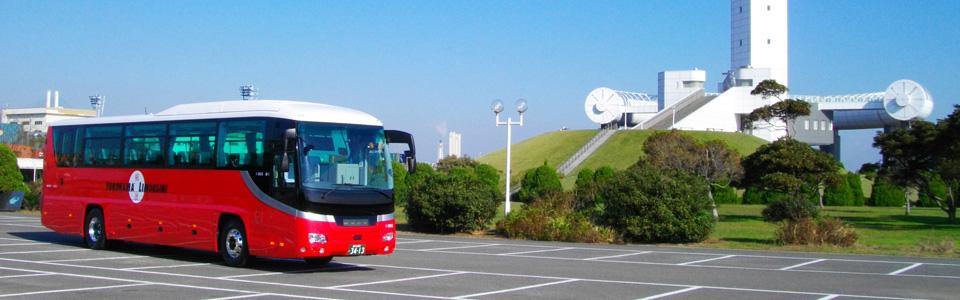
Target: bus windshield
column 344, row 157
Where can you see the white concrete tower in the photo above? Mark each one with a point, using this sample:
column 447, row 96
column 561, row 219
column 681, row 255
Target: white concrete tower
column 758, row 37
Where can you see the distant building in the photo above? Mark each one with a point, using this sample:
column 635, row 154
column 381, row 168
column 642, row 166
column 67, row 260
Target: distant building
column 35, row 120
column 453, row 141
column 758, row 51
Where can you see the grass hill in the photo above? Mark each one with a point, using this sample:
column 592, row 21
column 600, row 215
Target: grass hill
column 622, row 150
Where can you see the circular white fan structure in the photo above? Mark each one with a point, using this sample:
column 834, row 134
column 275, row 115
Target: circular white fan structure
column 605, row 105
column 906, row 100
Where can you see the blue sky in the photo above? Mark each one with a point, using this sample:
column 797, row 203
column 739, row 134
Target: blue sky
column 423, row 66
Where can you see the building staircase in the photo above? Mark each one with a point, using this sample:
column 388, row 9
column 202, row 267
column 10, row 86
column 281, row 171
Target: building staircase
column 592, row 145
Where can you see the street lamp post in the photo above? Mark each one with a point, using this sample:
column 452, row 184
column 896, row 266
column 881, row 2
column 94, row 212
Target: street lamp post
column 497, row 107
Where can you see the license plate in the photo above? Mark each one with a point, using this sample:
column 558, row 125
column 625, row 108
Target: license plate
column 356, row 250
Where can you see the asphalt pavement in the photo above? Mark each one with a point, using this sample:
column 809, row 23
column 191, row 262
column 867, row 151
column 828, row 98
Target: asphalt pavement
column 36, row 263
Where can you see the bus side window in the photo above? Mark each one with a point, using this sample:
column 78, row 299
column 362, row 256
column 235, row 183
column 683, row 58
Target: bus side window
column 102, row 145
column 65, row 144
column 241, row 144
column 143, row 145
column 192, row 144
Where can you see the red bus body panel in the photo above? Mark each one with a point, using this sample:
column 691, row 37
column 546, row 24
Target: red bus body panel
column 182, row 208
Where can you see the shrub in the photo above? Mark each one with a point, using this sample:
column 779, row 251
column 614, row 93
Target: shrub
column 552, row 218
column 603, row 173
column 725, row 195
column 538, row 183
column 808, row 231
column 400, row 188
column 934, row 188
column 584, row 177
column 886, row 194
column 790, row 210
column 838, row 194
column 651, row 205
column 10, row 177
column 31, row 199
column 458, row 201
column 856, row 188
column 754, row 195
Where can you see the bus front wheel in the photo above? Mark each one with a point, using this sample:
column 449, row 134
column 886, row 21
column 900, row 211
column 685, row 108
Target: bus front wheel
column 234, row 243
column 94, row 234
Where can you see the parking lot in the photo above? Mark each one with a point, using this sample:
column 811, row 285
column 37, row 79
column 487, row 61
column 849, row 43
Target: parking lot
column 36, row 263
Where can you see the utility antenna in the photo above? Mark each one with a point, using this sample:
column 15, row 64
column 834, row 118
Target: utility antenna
column 98, row 102
column 248, row 92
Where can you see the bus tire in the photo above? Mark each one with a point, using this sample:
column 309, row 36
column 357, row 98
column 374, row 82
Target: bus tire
column 234, row 244
column 318, row 261
column 94, row 231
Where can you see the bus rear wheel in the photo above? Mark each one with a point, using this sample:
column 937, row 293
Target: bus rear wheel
column 94, row 234
column 234, row 245
column 318, row 261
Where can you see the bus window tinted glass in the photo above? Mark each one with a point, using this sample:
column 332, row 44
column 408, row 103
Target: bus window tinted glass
column 143, row 146
column 65, row 146
column 192, row 144
column 103, row 131
column 241, row 144
column 344, row 156
column 101, row 152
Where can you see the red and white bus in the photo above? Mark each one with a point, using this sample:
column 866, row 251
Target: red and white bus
column 267, row 178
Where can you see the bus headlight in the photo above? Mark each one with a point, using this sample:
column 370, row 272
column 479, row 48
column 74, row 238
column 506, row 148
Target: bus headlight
column 388, row 237
column 314, row 238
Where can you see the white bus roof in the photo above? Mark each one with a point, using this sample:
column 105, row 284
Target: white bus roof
column 283, row 109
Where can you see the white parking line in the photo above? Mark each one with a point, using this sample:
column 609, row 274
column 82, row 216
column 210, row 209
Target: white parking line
column 44, row 251
column 75, row 290
column 22, row 225
column 395, row 280
column 24, row 275
column 828, row 297
column 241, row 296
column 616, row 256
column 515, row 289
column 460, row 247
column 801, row 264
column 343, row 267
column 657, row 296
column 641, row 283
column 688, row 266
column 536, row 251
column 93, row 259
column 10, row 239
column 22, row 244
column 905, row 269
column 170, row 266
column 705, row 260
column 413, row 242
column 711, row 254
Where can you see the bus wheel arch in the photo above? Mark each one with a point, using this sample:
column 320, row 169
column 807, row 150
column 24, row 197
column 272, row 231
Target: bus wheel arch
column 233, row 243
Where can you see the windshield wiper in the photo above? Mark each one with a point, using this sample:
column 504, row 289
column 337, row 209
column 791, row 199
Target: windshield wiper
column 378, row 191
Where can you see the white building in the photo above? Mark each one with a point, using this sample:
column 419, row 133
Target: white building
column 758, row 51
column 36, row 119
column 453, row 144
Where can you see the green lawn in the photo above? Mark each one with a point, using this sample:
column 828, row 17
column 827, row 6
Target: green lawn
column 622, row 150
column 882, row 230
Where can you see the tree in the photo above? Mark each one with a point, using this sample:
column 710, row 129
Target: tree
column 647, row 204
column 922, row 153
column 906, row 153
column 539, row 182
column 785, row 109
column 790, row 166
column 453, row 201
column 10, row 177
column 713, row 161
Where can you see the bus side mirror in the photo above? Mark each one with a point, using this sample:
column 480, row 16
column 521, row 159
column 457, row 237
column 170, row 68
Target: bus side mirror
column 290, row 135
column 400, row 137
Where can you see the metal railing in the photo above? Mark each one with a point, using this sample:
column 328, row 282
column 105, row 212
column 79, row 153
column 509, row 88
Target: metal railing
column 592, row 145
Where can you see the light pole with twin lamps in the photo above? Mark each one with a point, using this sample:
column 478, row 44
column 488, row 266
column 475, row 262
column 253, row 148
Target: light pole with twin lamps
column 497, row 107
